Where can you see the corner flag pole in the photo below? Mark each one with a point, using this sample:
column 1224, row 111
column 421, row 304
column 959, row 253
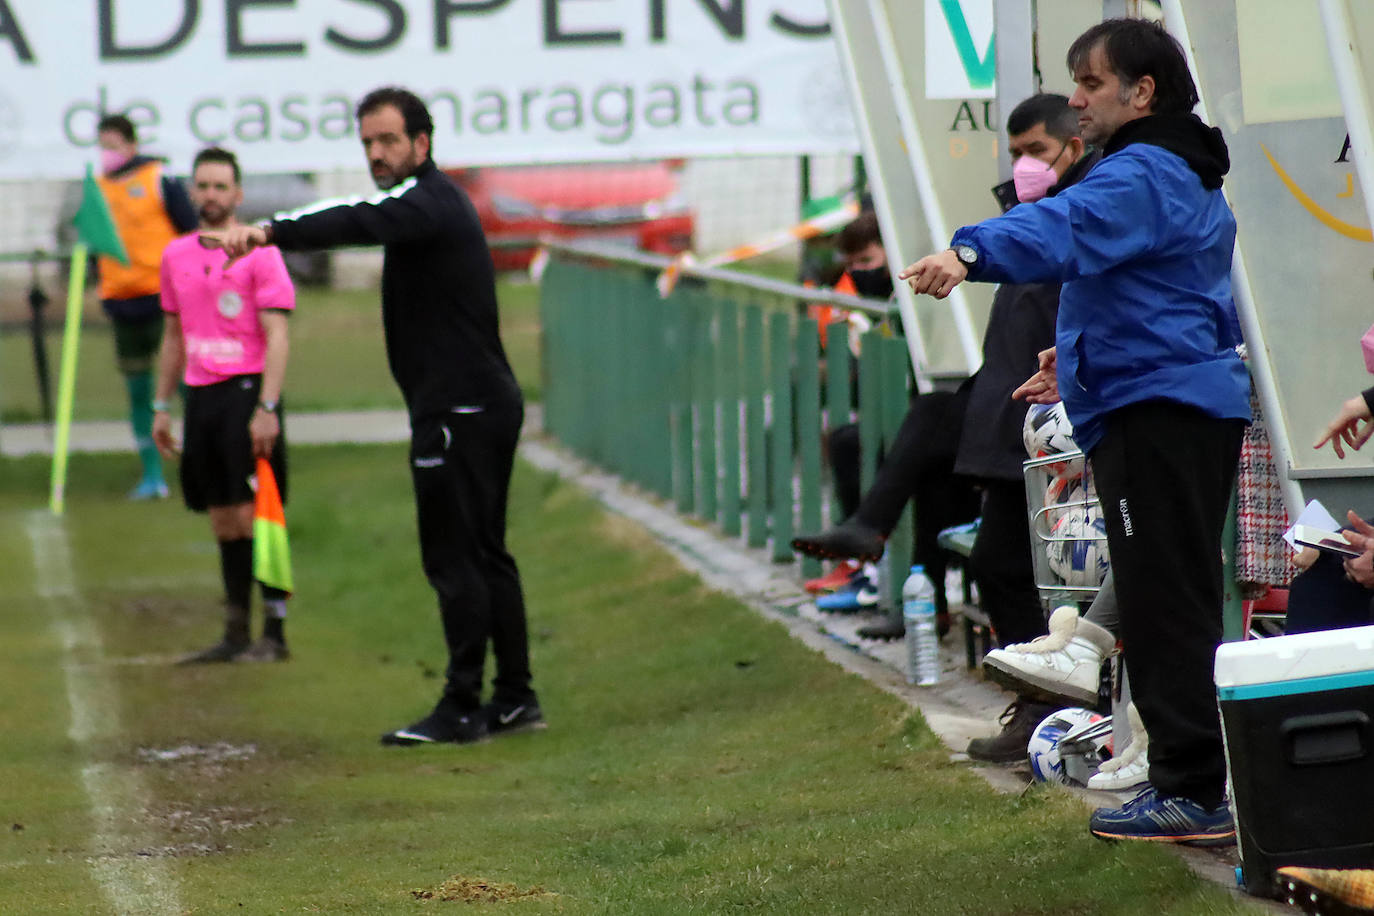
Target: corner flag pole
column 66, row 385
column 95, row 231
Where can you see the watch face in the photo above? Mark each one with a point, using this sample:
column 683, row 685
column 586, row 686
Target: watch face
column 966, row 254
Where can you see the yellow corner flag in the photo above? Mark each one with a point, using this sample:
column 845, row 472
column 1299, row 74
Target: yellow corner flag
column 96, row 233
column 271, row 550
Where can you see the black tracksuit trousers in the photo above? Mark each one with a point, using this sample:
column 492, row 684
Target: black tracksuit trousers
column 1003, row 567
column 1164, row 474
column 461, row 465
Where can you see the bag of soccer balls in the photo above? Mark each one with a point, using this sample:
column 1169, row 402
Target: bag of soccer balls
column 1076, row 547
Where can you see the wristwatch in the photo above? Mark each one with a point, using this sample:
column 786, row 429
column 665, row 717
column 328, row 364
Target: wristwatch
column 967, row 255
column 266, row 227
column 269, row 406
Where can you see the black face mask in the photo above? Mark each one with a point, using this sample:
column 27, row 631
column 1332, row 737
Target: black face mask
column 875, row 283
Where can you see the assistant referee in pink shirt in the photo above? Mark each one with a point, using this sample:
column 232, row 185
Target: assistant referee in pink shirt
column 226, row 328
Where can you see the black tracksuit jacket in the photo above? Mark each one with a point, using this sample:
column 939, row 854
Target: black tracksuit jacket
column 439, row 309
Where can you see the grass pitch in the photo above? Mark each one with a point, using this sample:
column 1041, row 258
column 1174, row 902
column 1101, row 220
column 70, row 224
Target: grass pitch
column 697, row 761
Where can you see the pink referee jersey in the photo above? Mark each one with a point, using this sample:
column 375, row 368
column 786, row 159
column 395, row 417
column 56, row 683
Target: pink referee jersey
column 219, row 308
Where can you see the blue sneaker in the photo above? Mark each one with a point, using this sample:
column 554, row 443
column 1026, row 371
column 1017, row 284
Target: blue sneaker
column 860, row 594
column 1165, row 819
column 148, row 489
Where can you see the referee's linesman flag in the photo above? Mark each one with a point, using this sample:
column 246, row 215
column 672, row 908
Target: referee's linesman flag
column 271, row 550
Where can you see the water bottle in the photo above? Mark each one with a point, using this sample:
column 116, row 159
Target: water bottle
column 922, row 639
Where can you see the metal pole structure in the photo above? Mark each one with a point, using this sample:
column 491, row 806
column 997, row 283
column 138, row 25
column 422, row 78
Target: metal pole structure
column 1016, row 76
column 905, row 299
column 1350, row 79
column 38, row 301
column 925, row 186
column 1261, row 370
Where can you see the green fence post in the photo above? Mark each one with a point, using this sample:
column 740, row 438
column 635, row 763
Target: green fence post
column 660, row 367
column 895, row 402
column 780, row 382
column 707, row 443
column 808, row 412
column 728, row 392
column 870, row 406
column 839, row 394
column 756, row 430
column 684, row 432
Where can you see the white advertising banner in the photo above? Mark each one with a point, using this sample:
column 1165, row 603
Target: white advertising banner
column 508, row 81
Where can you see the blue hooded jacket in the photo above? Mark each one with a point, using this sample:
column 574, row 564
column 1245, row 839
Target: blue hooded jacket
column 1143, row 247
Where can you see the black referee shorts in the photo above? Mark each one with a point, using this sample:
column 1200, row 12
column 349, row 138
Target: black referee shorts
column 217, row 463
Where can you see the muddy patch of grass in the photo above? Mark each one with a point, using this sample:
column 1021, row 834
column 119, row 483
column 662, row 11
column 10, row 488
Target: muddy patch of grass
column 479, row 890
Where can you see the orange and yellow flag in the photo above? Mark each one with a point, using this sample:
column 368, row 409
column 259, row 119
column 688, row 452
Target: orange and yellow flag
column 271, row 550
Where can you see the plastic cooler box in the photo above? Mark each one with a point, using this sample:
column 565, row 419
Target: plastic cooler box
column 1297, row 713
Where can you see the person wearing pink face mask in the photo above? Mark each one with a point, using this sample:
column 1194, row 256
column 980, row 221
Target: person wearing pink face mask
column 149, row 209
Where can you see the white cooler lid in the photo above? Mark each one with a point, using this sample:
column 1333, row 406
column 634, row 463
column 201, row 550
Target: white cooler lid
column 1331, row 658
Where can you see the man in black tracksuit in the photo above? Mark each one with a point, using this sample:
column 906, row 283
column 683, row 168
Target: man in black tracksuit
column 440, row 320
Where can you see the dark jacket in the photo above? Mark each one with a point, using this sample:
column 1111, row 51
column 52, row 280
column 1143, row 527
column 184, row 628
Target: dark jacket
column 1020, row 325
column 439, row 310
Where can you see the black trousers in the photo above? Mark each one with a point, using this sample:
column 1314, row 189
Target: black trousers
column 917, row 465
column 461, row 466
column 1001, row 564
column 1164, row 473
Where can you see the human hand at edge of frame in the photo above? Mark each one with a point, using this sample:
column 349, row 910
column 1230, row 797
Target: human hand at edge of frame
column 935, row 274
column 263, row 429
column 1361, row 534
column 1347, row 428
column 1043, row 386
column 236, row 241
column 162, row 436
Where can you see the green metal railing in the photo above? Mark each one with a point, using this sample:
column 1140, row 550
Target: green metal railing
column 718, row 397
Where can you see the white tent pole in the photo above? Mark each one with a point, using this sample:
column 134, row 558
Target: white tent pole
column 1261, row 369
column 925, row 185
column 906, row 304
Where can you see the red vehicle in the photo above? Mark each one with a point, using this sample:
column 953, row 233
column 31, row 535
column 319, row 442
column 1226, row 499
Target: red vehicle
column 637, row 204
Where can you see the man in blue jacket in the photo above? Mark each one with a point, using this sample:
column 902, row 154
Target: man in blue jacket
column 1144, row 362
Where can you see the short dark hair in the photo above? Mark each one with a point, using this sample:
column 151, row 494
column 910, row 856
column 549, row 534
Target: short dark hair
column 410, row 106
column 218, row 154
column 1048, row 108
column 861, row 232
column 1136, row 48
column 119, row 124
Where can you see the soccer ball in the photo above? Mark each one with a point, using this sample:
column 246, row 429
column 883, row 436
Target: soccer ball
column 1084, row 748
column 1077, row 548
column 1043, row 748
column 1047, row 431
column 1062, row 491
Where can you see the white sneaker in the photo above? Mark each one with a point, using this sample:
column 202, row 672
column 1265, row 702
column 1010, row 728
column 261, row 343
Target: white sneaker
column 1063, row 667
column 1130, row 768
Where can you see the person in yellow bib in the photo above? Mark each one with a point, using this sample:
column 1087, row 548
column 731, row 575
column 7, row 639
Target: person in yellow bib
column 150, row 208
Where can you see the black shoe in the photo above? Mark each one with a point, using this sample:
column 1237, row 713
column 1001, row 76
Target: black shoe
column 891, row 628
column 443, row 726
column 513, row 718
column 895, row 628
column 848, row 540
column 1018, row 724
column 222, row 651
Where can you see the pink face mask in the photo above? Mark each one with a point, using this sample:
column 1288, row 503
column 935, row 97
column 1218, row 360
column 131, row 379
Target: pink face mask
column 1033, row 179
column 111, row 160
column 1367, row 348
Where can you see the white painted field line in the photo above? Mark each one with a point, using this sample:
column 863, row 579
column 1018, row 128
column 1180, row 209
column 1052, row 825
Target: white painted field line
column 134, row 884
